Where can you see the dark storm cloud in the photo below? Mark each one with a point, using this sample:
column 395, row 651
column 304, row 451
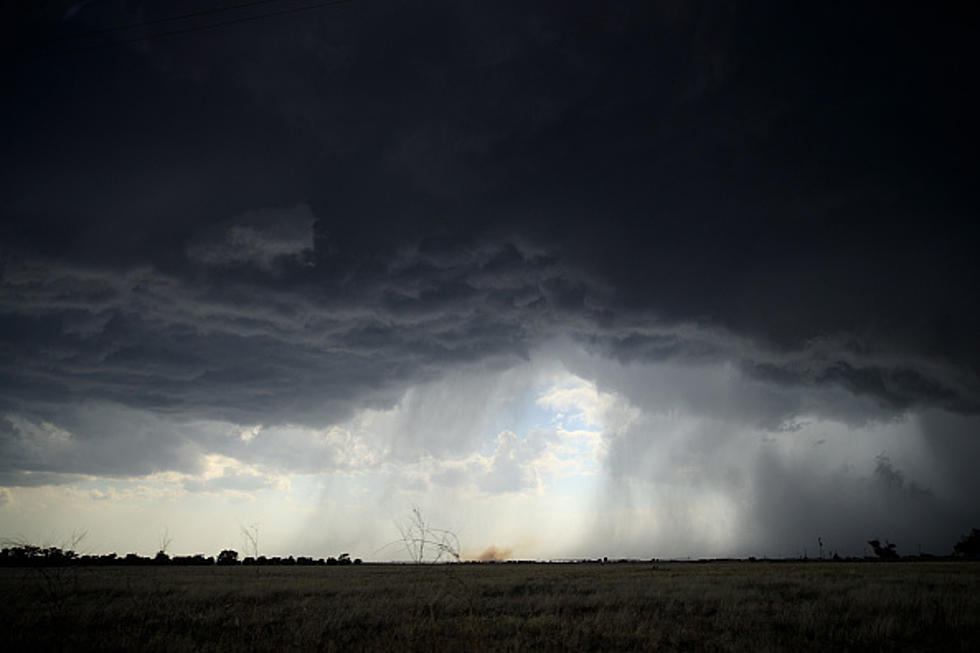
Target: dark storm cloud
column 291, row 219
column 263, row 239
column 92, row 439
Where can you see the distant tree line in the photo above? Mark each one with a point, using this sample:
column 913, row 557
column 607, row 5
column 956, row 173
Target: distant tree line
column 27, row 555
column 52, row 556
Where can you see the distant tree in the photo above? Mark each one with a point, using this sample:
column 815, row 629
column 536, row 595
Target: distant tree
column 16, row 556
column 161, row 558
column 884, row 551
column 969, row 545
column 344, row 559
column 228, row 557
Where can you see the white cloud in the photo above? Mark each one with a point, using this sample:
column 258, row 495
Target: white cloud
column 224, row 474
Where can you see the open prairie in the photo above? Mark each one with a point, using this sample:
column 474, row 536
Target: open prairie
column 616, row 606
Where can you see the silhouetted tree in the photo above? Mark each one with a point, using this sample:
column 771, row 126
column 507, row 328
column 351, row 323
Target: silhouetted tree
column 228, row 557
column 197, row 559
column 884, row 551
column 29, row 555
column 969, row 545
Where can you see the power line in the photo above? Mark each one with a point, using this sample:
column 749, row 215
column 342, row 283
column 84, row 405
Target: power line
column 195, row 28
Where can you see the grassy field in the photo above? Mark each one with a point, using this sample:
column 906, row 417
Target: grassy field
column 669, row 606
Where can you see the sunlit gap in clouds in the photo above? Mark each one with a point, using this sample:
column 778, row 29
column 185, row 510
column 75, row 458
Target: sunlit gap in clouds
column 546, row 463
column 507, row 457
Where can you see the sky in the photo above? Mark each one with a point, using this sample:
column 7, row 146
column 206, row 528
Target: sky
column 652, row 280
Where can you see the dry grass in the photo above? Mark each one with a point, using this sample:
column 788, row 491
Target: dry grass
column 720, row 606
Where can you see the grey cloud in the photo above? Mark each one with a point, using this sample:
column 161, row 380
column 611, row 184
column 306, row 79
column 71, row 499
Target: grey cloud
column 952, row 447
column 452, row 477
column 95, row 438
column 451, row 417
column 895, row 383
column 794, row 506
column 510, row 468
column 263, row 239
column 706, row 430
column 891, row 480
column 247, row 353
column 778, row 503
column 170, row 345
column 898, row 388
column 37, row 478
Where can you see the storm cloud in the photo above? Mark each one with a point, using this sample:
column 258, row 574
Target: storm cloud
column 355, row 240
